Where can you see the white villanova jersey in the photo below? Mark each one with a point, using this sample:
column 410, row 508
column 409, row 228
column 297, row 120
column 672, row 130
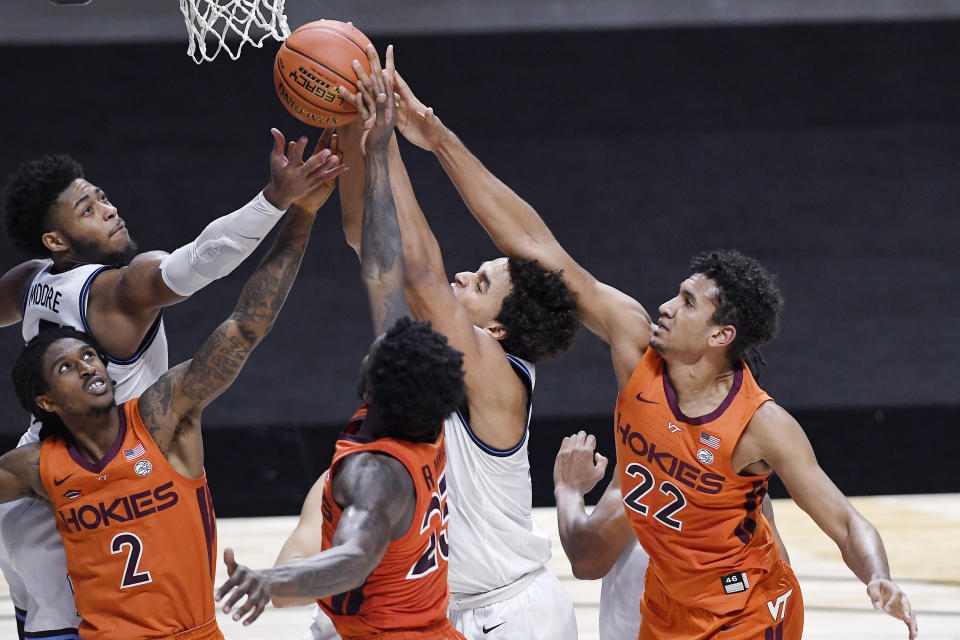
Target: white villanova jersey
column 492, row 538
column 60, row 299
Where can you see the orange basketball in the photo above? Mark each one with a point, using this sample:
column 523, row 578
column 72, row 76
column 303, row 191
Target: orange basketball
column 310, row 66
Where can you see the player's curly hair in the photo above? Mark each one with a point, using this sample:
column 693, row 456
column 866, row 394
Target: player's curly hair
column 416, row 379
column 28, row 198
column 747, row 298
column 539, row 313
column 28, row 379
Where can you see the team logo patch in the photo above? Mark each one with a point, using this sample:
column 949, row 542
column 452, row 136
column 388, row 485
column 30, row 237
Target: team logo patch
column 143, row 468
column 71, row 494
column 704, row 456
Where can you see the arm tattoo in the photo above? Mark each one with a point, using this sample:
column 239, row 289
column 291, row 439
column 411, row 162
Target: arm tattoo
column 224, row 353
column 381, row 248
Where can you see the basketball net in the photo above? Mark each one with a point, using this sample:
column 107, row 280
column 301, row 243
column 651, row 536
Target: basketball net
column 225, row 25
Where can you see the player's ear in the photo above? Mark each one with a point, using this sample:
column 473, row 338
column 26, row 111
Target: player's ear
column 55, row 242
column 45, row 402
column 495, row 329
column 722, row 336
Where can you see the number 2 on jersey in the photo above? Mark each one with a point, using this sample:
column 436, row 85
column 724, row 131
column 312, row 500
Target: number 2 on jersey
column 132, row 576
column 667, row 488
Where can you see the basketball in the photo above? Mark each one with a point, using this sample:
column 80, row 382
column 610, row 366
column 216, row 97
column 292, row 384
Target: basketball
column 310, row 66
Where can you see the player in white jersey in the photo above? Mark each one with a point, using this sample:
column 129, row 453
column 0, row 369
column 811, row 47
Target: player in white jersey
column 87, row 274
column 499, row 586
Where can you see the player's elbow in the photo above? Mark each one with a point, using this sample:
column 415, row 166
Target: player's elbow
column 584, row 569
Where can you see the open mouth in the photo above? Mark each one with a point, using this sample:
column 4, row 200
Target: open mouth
column 97, row 386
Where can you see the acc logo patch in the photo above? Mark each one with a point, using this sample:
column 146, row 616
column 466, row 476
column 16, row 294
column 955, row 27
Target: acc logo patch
column 705, row 456
column 143, row 468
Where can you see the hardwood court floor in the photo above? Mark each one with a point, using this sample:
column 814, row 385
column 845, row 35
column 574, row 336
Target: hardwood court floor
column 921, row 533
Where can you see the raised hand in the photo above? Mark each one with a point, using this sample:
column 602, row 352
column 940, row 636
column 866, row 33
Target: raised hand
column 577, row 465
column 243, row 582
column 416, row 121
column 377, row 111
column 887, row 596
column 291, row 177
column 316, row 198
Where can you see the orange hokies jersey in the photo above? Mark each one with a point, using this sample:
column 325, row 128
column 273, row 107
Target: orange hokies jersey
column 408, row 589
column 699, row 519
column 140, row 538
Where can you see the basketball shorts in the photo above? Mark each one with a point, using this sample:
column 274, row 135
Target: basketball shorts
column 774, row 611
column 323, row 629
column 620, row 594
column 35, row 567
column 538, row 608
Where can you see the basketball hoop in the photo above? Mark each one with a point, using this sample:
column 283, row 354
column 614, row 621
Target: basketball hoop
column 225, row 25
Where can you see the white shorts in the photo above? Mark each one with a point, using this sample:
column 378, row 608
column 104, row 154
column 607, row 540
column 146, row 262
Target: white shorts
column 322, row 627
column 35, row 567
column 540, row 609
column 620, row 594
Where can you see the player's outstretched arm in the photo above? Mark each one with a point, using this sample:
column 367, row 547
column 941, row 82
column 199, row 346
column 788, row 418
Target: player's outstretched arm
column 378, row 499
column 171, row 407
column 20, row 474
column 489, row 378
column 592, row 542
column 774, row 437
column 381, row 249
column 156, row 279
column 519, row 231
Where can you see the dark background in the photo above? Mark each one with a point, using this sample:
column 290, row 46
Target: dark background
column 830, row 152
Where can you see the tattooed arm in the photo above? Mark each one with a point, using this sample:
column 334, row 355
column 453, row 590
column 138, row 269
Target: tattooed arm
column 20, row 474
column 171, row 407
column 381, row 263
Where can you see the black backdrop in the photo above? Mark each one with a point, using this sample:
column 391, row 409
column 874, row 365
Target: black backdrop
column 829, row 152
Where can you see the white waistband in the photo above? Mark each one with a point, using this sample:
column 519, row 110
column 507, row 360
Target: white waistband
column 464, row 601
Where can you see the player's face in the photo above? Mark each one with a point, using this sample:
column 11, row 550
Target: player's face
column 90, row 225
column 77, row 379
column 685, row 325
column 481, row 292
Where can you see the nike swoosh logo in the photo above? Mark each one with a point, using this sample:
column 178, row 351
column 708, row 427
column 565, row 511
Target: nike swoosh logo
column 642, row 399
column 729, row 626
column 249, row 238
column 59, row 482
column 485, row 630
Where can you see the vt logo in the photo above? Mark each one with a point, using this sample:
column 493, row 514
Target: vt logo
column 776, row 611
column 673, row 428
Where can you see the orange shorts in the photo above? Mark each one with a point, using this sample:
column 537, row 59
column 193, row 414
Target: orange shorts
column 206, row 631
column 774, row 611
column 442, row 630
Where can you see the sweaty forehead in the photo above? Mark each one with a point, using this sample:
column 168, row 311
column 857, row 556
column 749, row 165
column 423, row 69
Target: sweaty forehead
column 495, row 268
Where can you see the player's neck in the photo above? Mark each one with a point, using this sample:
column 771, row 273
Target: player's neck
column 96, row 433
column 373, row 425
column 700, row 382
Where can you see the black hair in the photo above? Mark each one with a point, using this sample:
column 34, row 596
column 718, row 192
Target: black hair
column 416, row 379
column 28, row 199
column 29, row 381
column 539, row 313
column 747, row 298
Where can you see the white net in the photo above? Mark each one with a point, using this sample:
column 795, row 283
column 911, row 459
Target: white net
column 226, row 25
